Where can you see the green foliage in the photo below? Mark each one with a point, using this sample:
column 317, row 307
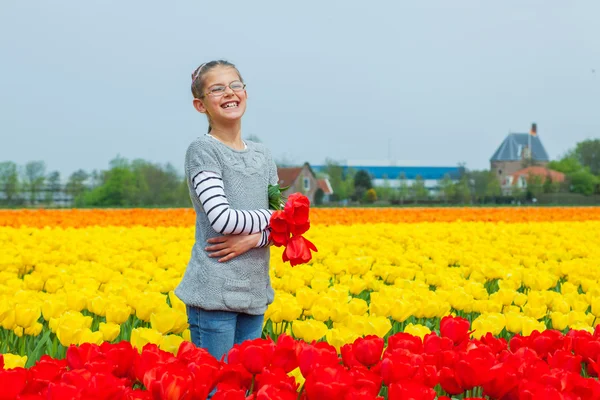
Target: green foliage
column 276, row 198
column 583, row 182
column 341, row 183
column 588, row 154
column 371, row 196
column 418, row 191
column 362, row 183
column 567, row 165
column 447, row 188
column 9, row 181
column 35, row 176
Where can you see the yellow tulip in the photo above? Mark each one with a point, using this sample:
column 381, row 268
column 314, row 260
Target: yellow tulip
column 306, row 297
column 14, row 361
column 187, row 335
column 309, row 330
column 87, row 336
column 18, row 330
column 171, row 343
column 417, row 330
column 167, row 320
column 76, row 301
column 514, row 322
column 110, row 331
column 358, row 306
column 27, row 315
column 142, row 336
column 34, row 330
column 559, row 320
column 117, row 313
column 520, row 299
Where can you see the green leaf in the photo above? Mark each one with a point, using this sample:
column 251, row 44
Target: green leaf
column 39, row 350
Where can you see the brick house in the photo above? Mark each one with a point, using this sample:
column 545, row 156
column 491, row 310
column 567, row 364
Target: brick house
column 517, row 151
column 520, row 178
column 303, row 180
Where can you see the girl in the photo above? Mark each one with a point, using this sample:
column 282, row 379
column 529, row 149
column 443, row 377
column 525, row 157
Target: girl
column 226, row 285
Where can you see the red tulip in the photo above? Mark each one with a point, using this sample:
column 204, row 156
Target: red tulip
column 276, row 378
column 285, row 353
column 136, row 394
column 269, row 392
column 566, row 361
column 280, row 229
column 171, row 381
column 399, row 365
column 410, row 390
column 122, row 356
column 298, row 251
column 149, row 358
column 348, row 357
column 366, row 383
column 328, row 382
column 402, row 340
column 296, row 211
column 368, row 350
column 455, row 328
column 255, row 355
column 12, row 382
column 311, row 356
column 79, row 356
column 62, row 391
column 46, row 370
column 230, row 394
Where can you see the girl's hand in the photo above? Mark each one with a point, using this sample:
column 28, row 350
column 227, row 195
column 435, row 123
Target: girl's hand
column 230, row 246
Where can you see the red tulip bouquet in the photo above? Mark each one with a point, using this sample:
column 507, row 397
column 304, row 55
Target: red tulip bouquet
column 288, row 223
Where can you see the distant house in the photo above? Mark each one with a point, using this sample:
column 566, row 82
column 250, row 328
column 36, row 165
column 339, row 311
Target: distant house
column 517, row 151
column 303, row 180
column 520, row 178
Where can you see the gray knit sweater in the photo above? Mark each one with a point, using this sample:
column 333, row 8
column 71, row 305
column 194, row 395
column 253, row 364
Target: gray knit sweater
column 241, row 284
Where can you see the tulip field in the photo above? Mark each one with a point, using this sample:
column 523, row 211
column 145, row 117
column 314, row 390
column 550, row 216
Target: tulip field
column 424, row 303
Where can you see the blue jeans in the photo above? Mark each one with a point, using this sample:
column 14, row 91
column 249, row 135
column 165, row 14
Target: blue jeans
column 218, row 331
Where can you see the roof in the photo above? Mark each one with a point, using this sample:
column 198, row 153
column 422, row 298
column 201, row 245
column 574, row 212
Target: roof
column 537, row 170
column 393, row 172
column 325, row 186
column 287, row 176
column 512, row 147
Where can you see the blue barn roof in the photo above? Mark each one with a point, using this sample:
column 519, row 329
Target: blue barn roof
column 393, row 172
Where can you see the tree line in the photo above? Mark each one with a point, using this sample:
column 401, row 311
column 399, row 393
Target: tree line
column 137, row 183
column 140, row 183
column 581, row 166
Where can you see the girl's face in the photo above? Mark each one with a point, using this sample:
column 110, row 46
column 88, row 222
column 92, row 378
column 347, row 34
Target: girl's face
column 224, row 95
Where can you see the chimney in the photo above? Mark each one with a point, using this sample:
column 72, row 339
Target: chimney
column 533, row 131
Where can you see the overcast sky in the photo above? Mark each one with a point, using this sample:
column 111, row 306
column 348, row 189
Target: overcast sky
column 442, row 81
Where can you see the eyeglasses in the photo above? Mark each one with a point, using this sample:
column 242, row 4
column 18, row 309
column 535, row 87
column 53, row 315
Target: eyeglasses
column 219, row 90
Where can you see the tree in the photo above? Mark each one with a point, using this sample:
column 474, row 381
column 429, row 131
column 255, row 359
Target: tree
column 479, row 184
column 362, row 183
column 371, row 196
column 583, row 182
column 550, row 186
column 447, row 188
column 493, row 188
column 403, row 189
column 385, row 191
column 463, row 190
column 418, row 189
column 76, row 183
column 588, row 154
column 35, row 175
column 9, row 181
column 52, row 186
column 568, row 164
column 535, row 186
column 319, row 195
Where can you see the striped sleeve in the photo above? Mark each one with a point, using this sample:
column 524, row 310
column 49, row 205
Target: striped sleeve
column 223, row 219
